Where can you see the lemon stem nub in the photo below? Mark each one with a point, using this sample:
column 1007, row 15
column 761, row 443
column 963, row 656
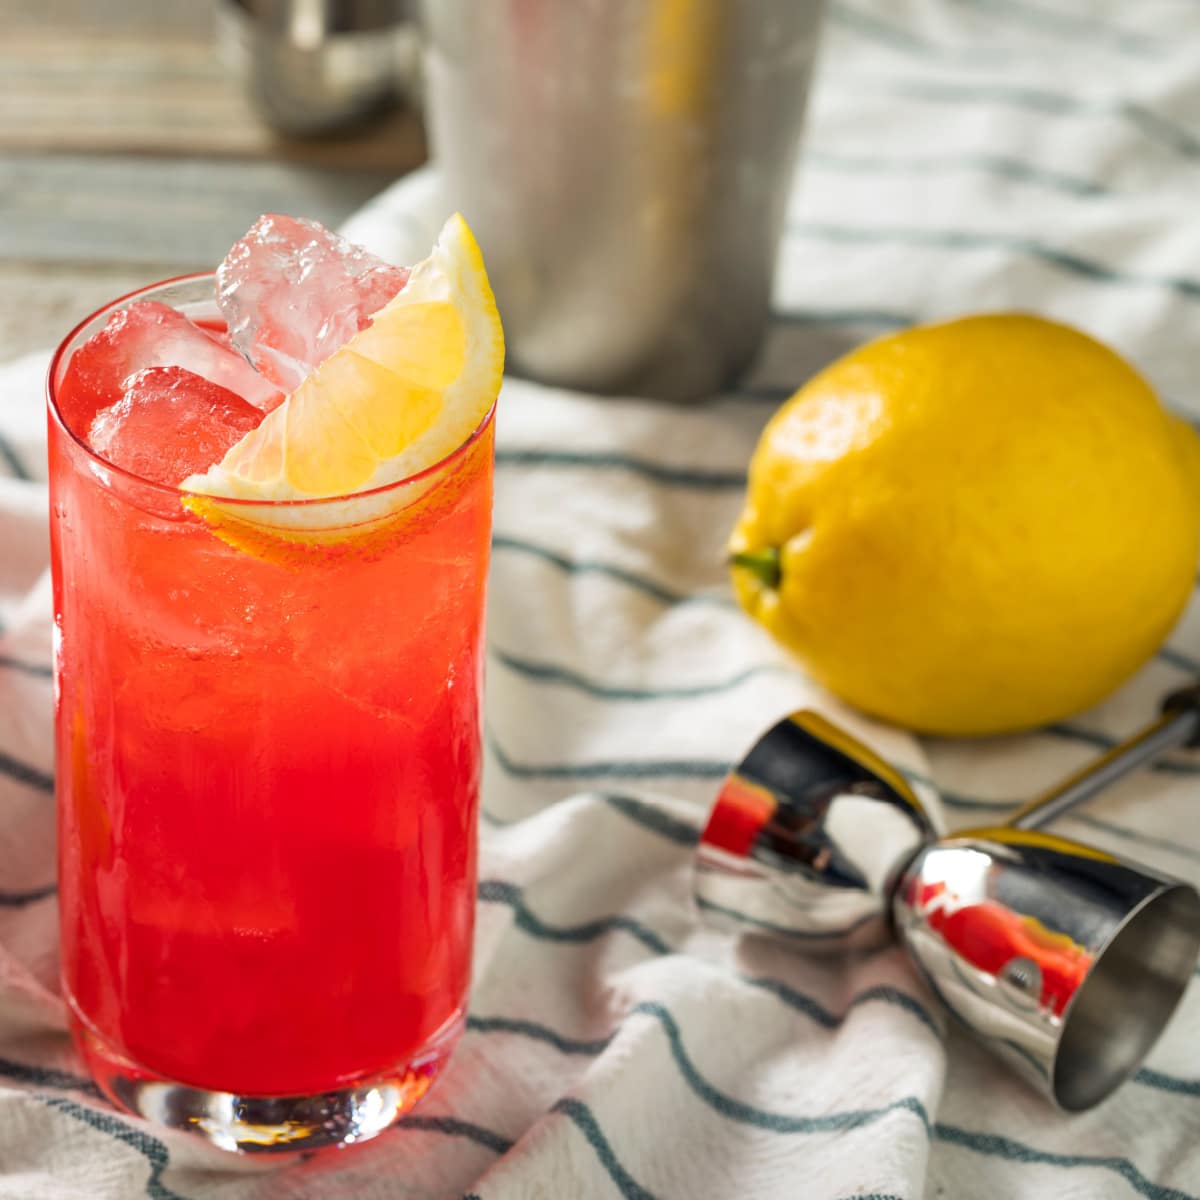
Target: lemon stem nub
column 764, row 563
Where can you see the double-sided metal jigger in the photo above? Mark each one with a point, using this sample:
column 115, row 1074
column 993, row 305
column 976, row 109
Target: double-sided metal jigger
column 1064, row 960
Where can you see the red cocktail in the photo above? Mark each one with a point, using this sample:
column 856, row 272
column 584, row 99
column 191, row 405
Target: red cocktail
column 268, row 768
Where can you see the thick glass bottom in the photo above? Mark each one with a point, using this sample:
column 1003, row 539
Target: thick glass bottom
column 268, row 1124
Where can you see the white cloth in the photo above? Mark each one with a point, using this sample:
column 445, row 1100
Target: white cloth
column 961, row 156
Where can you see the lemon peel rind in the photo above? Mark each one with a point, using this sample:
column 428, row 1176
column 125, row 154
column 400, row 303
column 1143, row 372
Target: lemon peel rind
column 350, row 526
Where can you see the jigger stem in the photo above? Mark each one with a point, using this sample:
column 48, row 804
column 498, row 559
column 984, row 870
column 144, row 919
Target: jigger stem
column 1178, row 726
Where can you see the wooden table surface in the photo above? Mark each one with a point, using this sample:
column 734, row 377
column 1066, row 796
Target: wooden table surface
column 129, row 153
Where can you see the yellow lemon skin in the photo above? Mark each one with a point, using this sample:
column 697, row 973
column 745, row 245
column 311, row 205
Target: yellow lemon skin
column 976, row 527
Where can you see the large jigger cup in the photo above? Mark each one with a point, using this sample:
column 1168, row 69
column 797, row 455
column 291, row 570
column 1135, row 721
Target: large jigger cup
column 1063, row 960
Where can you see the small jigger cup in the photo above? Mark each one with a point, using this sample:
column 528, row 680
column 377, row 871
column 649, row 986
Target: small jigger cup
column 1063, row 960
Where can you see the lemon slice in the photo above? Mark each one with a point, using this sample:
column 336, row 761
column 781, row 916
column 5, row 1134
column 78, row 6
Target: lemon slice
column 397, row 398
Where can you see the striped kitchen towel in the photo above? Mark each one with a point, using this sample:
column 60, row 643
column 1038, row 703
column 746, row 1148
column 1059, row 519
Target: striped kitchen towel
column 961, row 155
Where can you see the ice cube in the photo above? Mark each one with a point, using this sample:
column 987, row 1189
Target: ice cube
column 171, row 423
column 149, row 334
column 292, row 293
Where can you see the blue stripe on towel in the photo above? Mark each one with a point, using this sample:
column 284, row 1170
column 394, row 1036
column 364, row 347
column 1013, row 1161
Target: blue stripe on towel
column 499, row 891
column 1074, row 26
column 453, row 1127
column 149, row 1147
column 970, row 240
column 631, row 769
column 539, row 1033
column 640, row 583
column 748, row 1114
column 583, row 1119
column 14, row 899
column 990, row 164
column 995, row 1146
column 701, row 478
column 1151, row 125
column 47, row 1077
column 41, row 670
column 544, row 672
column 24, row 773
column 10, row 456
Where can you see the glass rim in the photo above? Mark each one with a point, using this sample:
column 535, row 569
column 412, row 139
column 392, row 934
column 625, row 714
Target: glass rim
column 57, row 358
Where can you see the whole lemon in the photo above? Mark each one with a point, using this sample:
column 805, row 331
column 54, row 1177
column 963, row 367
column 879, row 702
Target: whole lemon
column 971, row 527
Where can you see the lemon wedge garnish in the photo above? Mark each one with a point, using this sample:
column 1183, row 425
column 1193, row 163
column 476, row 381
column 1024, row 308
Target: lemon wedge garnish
column 399, row 397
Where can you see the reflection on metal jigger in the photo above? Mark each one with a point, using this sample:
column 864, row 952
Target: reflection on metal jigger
column 1063, row 960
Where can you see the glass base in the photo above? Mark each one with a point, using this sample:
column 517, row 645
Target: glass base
column 268, row 1124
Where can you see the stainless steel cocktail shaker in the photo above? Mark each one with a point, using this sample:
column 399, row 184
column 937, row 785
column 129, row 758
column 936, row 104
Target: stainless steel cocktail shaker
column 625, row 165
